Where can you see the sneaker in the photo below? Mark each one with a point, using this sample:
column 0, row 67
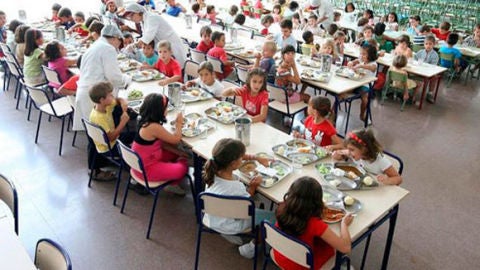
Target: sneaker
column 236, row 240
column 247, row 250
column 175, row 189
column 139, row 189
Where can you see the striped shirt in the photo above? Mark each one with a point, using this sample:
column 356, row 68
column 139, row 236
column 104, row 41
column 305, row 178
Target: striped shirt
column 470, row 42
column 430, row 57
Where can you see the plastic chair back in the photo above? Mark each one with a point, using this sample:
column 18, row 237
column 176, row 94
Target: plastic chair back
column 191, row 69
column 242, row 74
column 39, row 97
column 197, row 56
column 216, row 62
column 397, row 162
column 226, row 206
column 277, row 93
column 96, row 133
column 51, row 75
column 131, row 158
column 8, row 194
column 307, row 51
column 51, row 256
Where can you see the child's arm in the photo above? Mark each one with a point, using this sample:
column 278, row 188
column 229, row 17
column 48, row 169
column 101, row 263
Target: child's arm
column 70, row 62
column 174, row 78
column 254, row 183
column 296, row 77
column 391, row 177
column 371, row 67
column 351, row 64
column 75, row 26
column 342, row 243
column 229, row 92
column 161, row 133
column 123, row 103
column 113, row 135
column 262, row 116
column 337, row 143
column 258, row 57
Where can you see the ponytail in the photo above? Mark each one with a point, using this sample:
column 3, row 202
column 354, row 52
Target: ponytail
column 209, row 171
column 224, row 153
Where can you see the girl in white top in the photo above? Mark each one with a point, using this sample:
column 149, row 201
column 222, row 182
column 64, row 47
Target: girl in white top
column 349, row 15
column 392, row 22
column 207, row 80
column 366, row 152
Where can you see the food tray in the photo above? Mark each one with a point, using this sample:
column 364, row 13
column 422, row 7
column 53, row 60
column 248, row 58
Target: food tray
column 195, row 124
column 194, row 94
column 306, row 62
column 128, row 65
column 251, row 168
column 246, row 54
column 349, row 74
column 304, row 151
column 315, row 75
column 337, row 199
column 225, row 112
column 332, row 215
column 326, row 170
column 145, row 75
column 232, row 47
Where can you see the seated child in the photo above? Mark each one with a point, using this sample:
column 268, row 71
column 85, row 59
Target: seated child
column 196, row 10
column 473, row 40
column 367, row 34
column 211, row 14
column 218, row 52
column 414, row 25
column 253, row 95
column 227, row 156
column 384, row 42
column 167, row 65
column 420, row 38
column 207, row 80
column 56, row 54
column 331, row 29
column 399, row 63
column 349, row 14
column 276, row 13
column 442, row 32
column 392, row 22
column 55, row 8
column 79, row 26
column 266, row 22
column 174, row 8
column 258, row 9
column 403, row 47
column 308, row 47
column 285, row 37
column 292, row 8
column 206, row 43
column 266, row 61
column 34, row 58
column 20, row 40
column 362, row 147
column 312, row 25
column 230, row 17
column 287, row 66
column 368, row 14
column 458, row 63
column 339, row 40
column 362, row 22
column 298, row 21
column 65, row 18
column 318, row 128
column 148, row 57
column 69, row 87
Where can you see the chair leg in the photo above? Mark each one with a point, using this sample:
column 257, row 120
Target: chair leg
column 61, row 137
column 348, row 116
column 152, row 214
column 38, row 125
column 74, row 138
column 92, row 166
column 194, row 193
column 117, row 184
column 197, row 248
column 19, row 97
column 27, row 98
column 364, row 257
column 29, row 110
column 125, row 196
column 255, row 254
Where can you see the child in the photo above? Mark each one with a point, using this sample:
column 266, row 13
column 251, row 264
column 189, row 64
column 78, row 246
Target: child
column 148, row 57
column 292, row 8
column 103, row 115
column 56, row 54
column 207, row 80
column 336, row 17
column 245, row 6
column 403, row 47
column 392, row 22
column 308, row 44
column 211, row 14
column 473, row 40
column 173, row 8
column 285, row 38
column 206, row 43
column 312, row 25
column 239, row 20
column 111, row 12
column 339, row 40
column 55, row 8
column 318, row 128
column 95, row 30
column 258, row 9
column 298, row 21
column 328, row 47
column 79, row 26
column 368, row 14
column 420, row 38
column 300, row 216
column 10, row 41
column 398, row 64
column 285, row 69
column 253, row 95
column 442, row 32
column 277, row 9
column 168, row 65
column 450, row 49
column 366, row 34
column 154, row 144
column 196, row 10
column 331, row 29
column 414, row 28
column 349, row 14
column 20, row 40
column 368, row 65
column 227, row 156
column 362, row 22
column 266, row 22
column 365, row 150
column 65, row 18
column 218, row 52
column 232, row 12
column 148, row 4
column 428, row 54
column 34, row 57
column 70, row 86
column 384, row 43
column 266, row 61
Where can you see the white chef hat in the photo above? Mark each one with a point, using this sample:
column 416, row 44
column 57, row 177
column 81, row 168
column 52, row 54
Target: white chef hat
column 315, row 3
column 134, row 8
column 111, row 30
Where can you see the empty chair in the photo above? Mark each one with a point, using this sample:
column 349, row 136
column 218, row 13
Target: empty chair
column 51, row 256
column 8, row 194
column 281, row 104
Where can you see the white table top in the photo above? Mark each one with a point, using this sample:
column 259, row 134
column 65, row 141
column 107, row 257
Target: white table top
column 413, row 67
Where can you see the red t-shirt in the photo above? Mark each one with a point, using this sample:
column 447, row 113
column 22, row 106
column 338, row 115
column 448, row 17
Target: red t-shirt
column 321, row 134
column 204, row 47
column 243, row 5
column 170, row 69
column 71, row 84
column 222, row 55
column 322, row 251
column 439, row 35
column 264, row 31
column 253, row 104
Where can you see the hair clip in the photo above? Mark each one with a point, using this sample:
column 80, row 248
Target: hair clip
column 356, row 138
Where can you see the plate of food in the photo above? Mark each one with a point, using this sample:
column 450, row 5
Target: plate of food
column 330, row 194
column 303, row 151
column 121, row 56
column 128, row 65
column 346, row 176
column 194, row 94
column 315, row 75
column 135, row 94
column 145, row 75
column 271, row 175
column 332, row 215
column 195, row 124
column 349, row 73
column 247, row 54
column 225, row 112
column 232, row 47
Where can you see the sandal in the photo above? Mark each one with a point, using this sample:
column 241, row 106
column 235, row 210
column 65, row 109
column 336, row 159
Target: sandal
column 104, row 176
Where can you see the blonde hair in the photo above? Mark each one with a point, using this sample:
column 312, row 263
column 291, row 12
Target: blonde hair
column 165, row 44
column 329, row 43
column 271, row 45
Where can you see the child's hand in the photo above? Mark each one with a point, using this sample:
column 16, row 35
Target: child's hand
column 124, row 118
column 340, row 154
column 256, row 181
column 258, row 55
column 382, row 178
column 179, row 121
column 347, row 219
column 381, row 53
column 264, row 161
column 350, row 64
column 296, row 134
column 163, row 82
column 189, row 84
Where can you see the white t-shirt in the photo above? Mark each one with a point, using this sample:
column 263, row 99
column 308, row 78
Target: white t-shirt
column 216, row 88
column 325, row 9
column 378, row 166
column 222, row 186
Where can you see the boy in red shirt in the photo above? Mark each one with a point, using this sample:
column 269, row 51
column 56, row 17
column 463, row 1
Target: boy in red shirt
column 218, row 52
column 442, row 32
column 206, row 43
column 167, row 65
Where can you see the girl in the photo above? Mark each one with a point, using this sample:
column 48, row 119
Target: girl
column 312, row 25
column 153, row 143
column 368, row 14
column 414, row 28
column 207, row 80
column 392, row 22
column 318, row 128
column 211, row 14
column 403, row 47
column 227, row 156
column 349, row 15
column 298, row 21
column 287, row 75
column 34, row 57
column 167, row 65
column 20, row 40
column 266, row 22
column 300, row 215
column 365, row 150
column 367, row 33
column 367, row 64
column 339, row 40
column 277, row 9
column 253, row 95
column 399, row 62
column 55, row 53
column 328, row 47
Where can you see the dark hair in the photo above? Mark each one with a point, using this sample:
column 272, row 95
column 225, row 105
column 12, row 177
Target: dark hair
column 52, row 50
column 127, row 35
column 233, row 10
column 452, row 39
column 153, row 109
column 364, row 140
column 277, row 6
column 369, row 12
column 240, row 19
column 100, row 90
column 416, row 18
column 322, row 105
column 210, row 8
column 394, row 15
column 64, row 12
column 2, row 13
column 224, row 153
column 267, row 19
column 80, row 14
column 90, row 20
column 286, row 23
column 293, row 5
column 287, row 49
column 404, row 38
column 195, row 7
column 307, row 36
column 151, row 44
column 79, row 61
column 379, row 29
column 349, row 4
column 445, row 26
column 362, row 21
column 371, row 51
column 430, row 38
column 56, row 7
column 313, row 16
column 257, row 72
column 217, row 35
column 332, row 28
column 14, row 24
column 20, row 33
column 31, row 37
column 205, row 30
column 96, row 27
column 296, row 16
column 425, row 28
column 303, row 200
column 400, row 61
column 282, row 2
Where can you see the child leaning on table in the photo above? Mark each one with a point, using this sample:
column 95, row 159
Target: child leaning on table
column 227, row 156
column 207, row 80
column 167, row 65
column 430, row 56
column 300, row 215
column 362, row 147
column 79, row 26
column 253, row 95
column 148, row 57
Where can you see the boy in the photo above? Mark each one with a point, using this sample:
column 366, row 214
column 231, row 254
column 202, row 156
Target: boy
column 473, row 40
column 173, row 8
column 79, row 26
column 442, row 32
column 285, row 37
column 65, row 18
column 207, row 80
column 206, row 43
column 148, row 57
column 265, row 60
column 308, row 47
column 430, row 56
column 452, row 39
column 420, row 39
column 218, row 52
column 168, row 65
column 312, row 25
column 55, row 8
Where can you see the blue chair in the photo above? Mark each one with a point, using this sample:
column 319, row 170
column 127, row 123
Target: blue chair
column 234, row 207
column 8, row 194
column 50, row 255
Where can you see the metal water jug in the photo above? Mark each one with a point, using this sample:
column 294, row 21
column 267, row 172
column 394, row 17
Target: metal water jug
column 60, row 33
column 233, row 34
column 174, row 93
column 242, row 130
column 188, row 21
column 326, row 63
